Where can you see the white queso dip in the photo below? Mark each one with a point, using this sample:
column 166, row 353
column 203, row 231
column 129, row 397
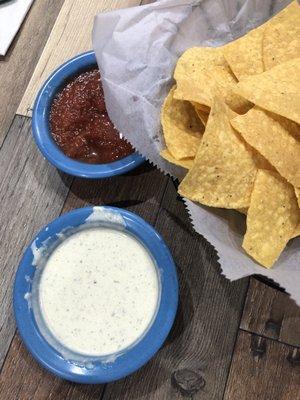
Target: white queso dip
column 98, row 291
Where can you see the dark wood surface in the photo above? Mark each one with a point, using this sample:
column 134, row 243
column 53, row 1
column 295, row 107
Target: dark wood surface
column 31, row 193
column 263, row 369
column 271, row 313
column 23, row 379
column 233, row 341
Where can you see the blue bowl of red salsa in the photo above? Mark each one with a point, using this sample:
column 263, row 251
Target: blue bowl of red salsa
column 71, row 126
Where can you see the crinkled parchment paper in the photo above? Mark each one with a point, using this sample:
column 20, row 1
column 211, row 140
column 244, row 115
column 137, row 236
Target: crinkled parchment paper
column 137, row 49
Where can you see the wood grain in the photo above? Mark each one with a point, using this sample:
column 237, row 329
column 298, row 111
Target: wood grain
column 195, row 359
column 23, row 379
column 271, row 313
column 17, row 66
column 263, row 369
column 140, row 191
column 31, row 193
column 71, row 35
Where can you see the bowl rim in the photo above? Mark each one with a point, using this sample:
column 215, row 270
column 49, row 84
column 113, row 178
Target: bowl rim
column 42, row 134
column 134, row 357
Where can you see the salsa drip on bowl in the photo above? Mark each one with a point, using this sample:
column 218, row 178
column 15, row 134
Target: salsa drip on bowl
column 80, row 124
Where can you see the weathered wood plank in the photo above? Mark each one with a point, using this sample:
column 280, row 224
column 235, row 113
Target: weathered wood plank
column 140, row 191
column 17, row 66
column 195, row 359
column 22, row 378
column 71, row 35
column 263, row 369
column 31, row 193
column 269, row 312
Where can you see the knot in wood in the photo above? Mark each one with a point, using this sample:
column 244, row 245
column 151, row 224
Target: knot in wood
column 273, row 326
column 187, row 381
column 258, row 346
column 294, row 357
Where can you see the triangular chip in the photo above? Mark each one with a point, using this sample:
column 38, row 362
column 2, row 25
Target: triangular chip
column 193, row 62
column 276, row 90
column 281, row 41
column 272, row 217
column 203, row 73
column 270, row 138
column 181, row 127
column 244, row 55
column 186, row 163
column 203, row 115
column 224, row 170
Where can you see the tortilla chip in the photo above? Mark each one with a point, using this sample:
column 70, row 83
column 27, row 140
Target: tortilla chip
column 270, row 138
column 186, row 163
column 297, row 191
column 296, row 232
column 181, row 127
column 292, row 127
column 272, row 217
column 192, row 62
column 202, row 115
column 281, row 41
column 276, row 90
column 244, row 55
column 214, row 80
column 224, row 170
column 202, row 107
column 242, row 210
column 260, row 161
column 202, row 73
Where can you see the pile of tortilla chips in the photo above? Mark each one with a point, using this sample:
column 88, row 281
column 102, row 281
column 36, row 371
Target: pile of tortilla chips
column 232, row 120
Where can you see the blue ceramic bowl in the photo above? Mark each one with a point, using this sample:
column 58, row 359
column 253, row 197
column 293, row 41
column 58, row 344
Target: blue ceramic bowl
column 41, row 127
column 136, row 355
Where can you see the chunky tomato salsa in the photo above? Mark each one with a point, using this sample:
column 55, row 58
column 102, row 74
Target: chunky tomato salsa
column 80, row 124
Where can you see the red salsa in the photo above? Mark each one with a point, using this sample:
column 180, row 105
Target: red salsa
column 80, row 124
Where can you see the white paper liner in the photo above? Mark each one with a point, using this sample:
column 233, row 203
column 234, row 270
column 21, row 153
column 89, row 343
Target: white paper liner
column 137, row 49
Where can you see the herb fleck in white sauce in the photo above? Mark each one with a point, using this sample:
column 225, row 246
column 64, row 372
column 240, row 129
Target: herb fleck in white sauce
column 99, row 291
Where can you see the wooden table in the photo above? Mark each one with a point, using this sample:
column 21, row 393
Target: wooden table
column 237, row 341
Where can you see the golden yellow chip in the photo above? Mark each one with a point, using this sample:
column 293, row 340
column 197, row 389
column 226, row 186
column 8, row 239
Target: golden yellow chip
column 192, row 63
column 202, row 107
column 186, row 163
column 276, row 90
column 244, row 55
column 224, row 170
column 181, row 127
column 202, row 73
column 203, row 115
column 297, row 191
column 297, row 231
column 281, row 41
column 292, row 127
column 270, row 138
column 272, row 217
column 215, row 80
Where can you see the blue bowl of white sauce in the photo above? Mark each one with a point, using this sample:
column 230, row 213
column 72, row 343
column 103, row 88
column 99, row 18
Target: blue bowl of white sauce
column 95, row 294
